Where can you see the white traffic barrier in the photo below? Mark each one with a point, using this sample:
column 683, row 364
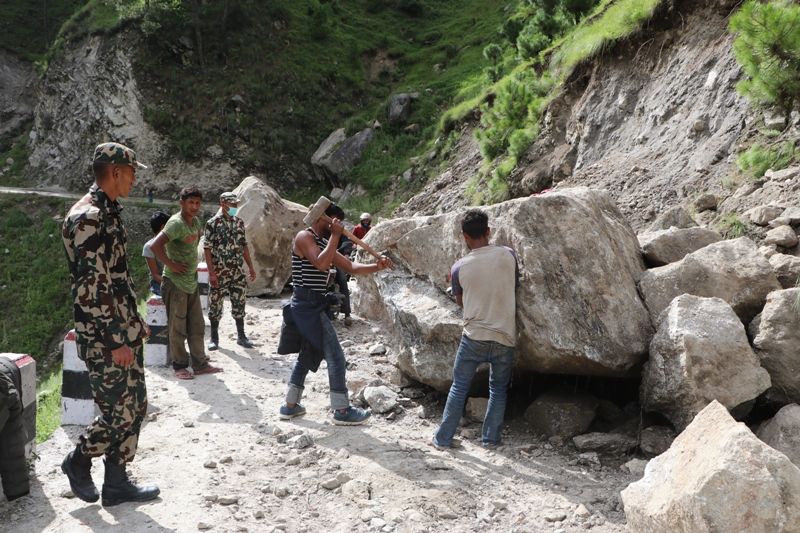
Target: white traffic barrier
column 202, row 284
column 77, row 404
column 27, row 373
column 156, row 351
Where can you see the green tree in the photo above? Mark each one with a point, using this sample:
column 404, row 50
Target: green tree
column 767, row 47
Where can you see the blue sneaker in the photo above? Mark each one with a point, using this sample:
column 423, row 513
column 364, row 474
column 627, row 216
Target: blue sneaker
column 289, row 413
column 352, row 417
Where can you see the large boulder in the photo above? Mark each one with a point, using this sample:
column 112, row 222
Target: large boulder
column 719, row 477
column 732, row 270
column 562, row 411
column 338, row 154
column 700, row 353
column 667, row 246
column 776, row 340
column 578, row 310
column 271, row 224
column 782, row 432
column 399, row 108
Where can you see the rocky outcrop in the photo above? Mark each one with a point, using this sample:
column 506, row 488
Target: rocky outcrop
column 732, row 270
column 577, row 306
column 700, row 353
column 776, row 340
column 90, row 95
column 670, row 245
column 16, row 93
column 338, row 154
column 717, row 476
column 271, row 224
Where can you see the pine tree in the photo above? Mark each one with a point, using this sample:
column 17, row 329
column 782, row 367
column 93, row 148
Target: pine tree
column 768, row 49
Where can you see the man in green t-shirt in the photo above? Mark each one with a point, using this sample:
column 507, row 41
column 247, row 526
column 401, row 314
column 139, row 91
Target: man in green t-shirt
column 176, row 247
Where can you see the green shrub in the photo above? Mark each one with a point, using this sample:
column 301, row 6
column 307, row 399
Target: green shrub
column 731, row 227
column 757, row 160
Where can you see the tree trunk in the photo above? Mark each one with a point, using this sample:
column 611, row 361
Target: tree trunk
column 199, row 38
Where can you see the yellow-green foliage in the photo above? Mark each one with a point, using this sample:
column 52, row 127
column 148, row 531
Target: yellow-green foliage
column 757, row 160
column 618, row 20
column 731, row 227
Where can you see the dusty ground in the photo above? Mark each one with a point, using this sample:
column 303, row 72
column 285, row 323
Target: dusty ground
column 213, row 446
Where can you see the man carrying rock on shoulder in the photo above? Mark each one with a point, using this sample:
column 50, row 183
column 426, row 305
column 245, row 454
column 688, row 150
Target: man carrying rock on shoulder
column 108, row 330
column 483, row 283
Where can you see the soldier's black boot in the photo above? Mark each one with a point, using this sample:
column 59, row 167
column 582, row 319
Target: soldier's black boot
column 78, row 469
column 117, row 488
column 242, row 340
column 214, row 344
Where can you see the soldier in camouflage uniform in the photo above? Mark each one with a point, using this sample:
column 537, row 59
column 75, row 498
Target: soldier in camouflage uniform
column 108, row 330
column 226, row 252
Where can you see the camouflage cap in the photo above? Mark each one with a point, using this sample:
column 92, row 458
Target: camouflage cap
column 116, row 154
column 229, row 198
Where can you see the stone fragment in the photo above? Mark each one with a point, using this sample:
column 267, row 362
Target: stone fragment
column 787, row 269
column 635, row 467
column 782, row 175
column 338, row 154
column 476, row 409
column 793, row 214
column 582, row 511
column 717, row 476
column 700, row 353
column 210, row 464
column 399, row 108
column 761, row 215
column 377, row 349
column 706, row 202
column 668, row 246
column 782, row 432
column 733, row 270
column 300, row 441
column 677, row 217
column 782, row 236
column 228, row 500
column 562, row 412
column 655, row 440
column 381, row 399
column 605, row 442
column 204, row 525
column 776, row 338
column 331, row 483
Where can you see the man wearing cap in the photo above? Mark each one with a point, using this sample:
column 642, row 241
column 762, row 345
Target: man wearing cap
column 362, row 229
column 108, row 330
column 226, row 252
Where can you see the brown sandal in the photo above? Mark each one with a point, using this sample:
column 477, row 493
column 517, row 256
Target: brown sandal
column 183, row 373
column 208, row 370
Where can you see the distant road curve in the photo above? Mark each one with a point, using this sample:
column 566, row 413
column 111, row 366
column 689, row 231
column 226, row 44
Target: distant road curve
column 57, row 194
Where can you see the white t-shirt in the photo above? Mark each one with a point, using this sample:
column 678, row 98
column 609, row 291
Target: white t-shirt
column 486, row 279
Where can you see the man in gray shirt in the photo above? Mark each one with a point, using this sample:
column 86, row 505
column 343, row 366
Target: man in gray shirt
column 484, row 283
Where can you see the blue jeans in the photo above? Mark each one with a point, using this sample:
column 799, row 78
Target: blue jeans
column 470, row 355
column 337, row 366
column 155, row 287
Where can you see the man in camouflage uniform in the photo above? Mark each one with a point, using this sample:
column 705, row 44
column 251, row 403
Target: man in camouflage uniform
column 226, row 252
column 108, row 330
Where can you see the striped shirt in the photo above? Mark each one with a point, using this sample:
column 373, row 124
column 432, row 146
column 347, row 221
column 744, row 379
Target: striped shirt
column 305, row 274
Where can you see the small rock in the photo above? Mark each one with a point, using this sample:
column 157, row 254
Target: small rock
column 210, row 464
column 300, row 441
column 226, row 459
column 204, row 525
column 342, row 454
column 378, row 349
column 469, row 434
column 229, row 500
column 555, row 517
column 211, row 497
column 67, row 494
column 258, row 515
column 281, row 492
column 331, row 484
column 582, row 511
column 188, row 423
column 634, row 467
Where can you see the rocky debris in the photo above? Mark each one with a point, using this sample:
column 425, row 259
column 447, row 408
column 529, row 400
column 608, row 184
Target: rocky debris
column 717, row 476
column 674, row 217
column 338, row 154
column 763, row 214
column 590, row 300
column 300, row 441
column 381, row 399
column 377, row 349
column 562, row 412
column 787, row 269
column 784, row 236
column 776, row 337
column 605, row 442
column 732, row 270
column 476, row 409
column 635, row 467
column 668, row 246
column 700, row 353
column 782, row 432
column 705, row 202
column 782, row 175
column 655, row 440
